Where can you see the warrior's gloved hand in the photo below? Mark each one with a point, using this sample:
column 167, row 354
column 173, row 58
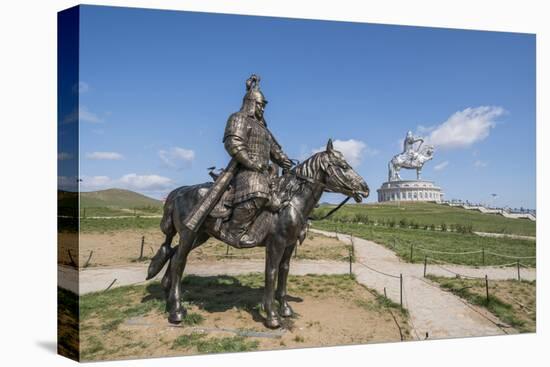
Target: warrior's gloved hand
column 286, row 164
column 243, row 158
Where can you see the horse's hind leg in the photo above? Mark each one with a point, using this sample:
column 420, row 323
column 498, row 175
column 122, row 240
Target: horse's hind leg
column 280, row 294
column 177, row 266
column 199, row 240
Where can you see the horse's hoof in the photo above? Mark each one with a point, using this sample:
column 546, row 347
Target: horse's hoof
column 286, row 311
column 273, row 323
column 176, row 317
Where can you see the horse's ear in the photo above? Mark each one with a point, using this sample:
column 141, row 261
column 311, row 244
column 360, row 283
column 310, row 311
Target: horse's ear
column 329, row 146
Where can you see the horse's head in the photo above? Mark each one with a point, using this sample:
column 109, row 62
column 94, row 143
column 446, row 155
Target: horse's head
column 339, row 176
column 428, row 152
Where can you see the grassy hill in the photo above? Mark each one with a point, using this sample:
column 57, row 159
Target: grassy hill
column 117, row 202
column 424, row 214
column 116, row 198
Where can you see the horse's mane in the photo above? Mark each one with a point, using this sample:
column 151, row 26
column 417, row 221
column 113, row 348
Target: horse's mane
column 292, row 182
column 311, row 167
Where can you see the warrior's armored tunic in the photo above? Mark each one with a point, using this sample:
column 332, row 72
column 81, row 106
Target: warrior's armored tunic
column 249, row 140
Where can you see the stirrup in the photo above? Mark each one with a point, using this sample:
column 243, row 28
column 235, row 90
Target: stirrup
column 246, row 241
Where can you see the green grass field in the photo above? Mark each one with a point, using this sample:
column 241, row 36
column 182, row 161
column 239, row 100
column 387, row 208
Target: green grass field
column 116, row 203
column 117, row 224
column 430, row 214
column 116, row 198
column 512, row 301
column 401, row 239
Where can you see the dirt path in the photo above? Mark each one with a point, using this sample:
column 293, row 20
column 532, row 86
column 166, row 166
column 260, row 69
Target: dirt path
column 432, row 311
column 498, row 235
column 99, row 278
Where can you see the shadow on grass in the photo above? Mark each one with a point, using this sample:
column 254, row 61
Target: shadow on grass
column 220, row 293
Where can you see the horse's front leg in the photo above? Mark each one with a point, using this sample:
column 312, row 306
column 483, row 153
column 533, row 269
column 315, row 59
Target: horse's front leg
column 284, row 308
column 177, row 265
column 274, row 253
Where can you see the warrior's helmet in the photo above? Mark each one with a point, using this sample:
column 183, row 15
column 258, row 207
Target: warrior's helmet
column 253, row 95
column 409, row 134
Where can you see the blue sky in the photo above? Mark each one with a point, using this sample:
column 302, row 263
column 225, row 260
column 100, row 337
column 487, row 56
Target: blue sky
column 156, row 88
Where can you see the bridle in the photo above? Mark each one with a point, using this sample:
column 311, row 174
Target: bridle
column 314, row 181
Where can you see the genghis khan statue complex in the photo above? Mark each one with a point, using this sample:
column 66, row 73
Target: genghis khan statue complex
column 413, row 156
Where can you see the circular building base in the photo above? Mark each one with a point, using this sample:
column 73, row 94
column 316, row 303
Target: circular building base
column 409, row 190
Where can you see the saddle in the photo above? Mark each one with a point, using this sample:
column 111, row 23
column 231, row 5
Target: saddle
column 221, row 213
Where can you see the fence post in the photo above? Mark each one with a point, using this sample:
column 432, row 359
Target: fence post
column 519, row 276
column 141, row 250
column 411, row 259
column 385, row 295
column 487, row 287
column 227, row 251
column 483, row 255
column 350, row 260
column 401, row 290
column 425, row 263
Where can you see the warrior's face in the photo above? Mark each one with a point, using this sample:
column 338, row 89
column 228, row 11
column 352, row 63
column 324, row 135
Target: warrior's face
column 259, row 109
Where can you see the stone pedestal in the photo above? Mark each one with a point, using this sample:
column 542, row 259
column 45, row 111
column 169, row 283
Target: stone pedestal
column 409, row 190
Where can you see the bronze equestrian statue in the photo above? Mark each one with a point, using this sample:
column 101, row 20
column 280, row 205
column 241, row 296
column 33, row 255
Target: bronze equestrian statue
column 250, row 205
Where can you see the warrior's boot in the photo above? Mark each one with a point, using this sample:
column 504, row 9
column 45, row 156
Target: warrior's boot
column 243, row 216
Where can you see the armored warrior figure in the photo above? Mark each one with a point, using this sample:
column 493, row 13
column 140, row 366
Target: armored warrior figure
column 248, row 140
column 408, row 146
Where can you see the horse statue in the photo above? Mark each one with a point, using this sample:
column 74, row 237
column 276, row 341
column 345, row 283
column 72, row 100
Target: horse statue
column 300, row 190
column 414, row 159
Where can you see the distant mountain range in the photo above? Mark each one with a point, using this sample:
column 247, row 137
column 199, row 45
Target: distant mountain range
column 116, row 198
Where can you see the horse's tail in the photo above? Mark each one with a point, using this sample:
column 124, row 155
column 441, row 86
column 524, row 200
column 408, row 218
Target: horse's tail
column 167, row 222
column 167, row 227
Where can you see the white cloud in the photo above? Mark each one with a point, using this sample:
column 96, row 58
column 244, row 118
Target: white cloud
column 81, row 87
column 131, row 181
column 88, row 116
column 441, row 166
column 480, row 164
column 111, row 156
column 82, row 114
column 176, row 157
column 146, row 182
column 353, row 150
column 64, row 156
column 463, row 128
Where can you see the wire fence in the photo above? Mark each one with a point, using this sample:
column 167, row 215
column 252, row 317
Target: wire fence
column 412, row 248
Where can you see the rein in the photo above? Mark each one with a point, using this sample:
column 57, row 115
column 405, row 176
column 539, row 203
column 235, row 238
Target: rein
column 333, row 210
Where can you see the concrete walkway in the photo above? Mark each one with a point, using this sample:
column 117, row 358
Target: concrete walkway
column 432, row 310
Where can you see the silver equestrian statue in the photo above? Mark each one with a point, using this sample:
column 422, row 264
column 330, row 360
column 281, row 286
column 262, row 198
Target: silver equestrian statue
column 412, row 157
